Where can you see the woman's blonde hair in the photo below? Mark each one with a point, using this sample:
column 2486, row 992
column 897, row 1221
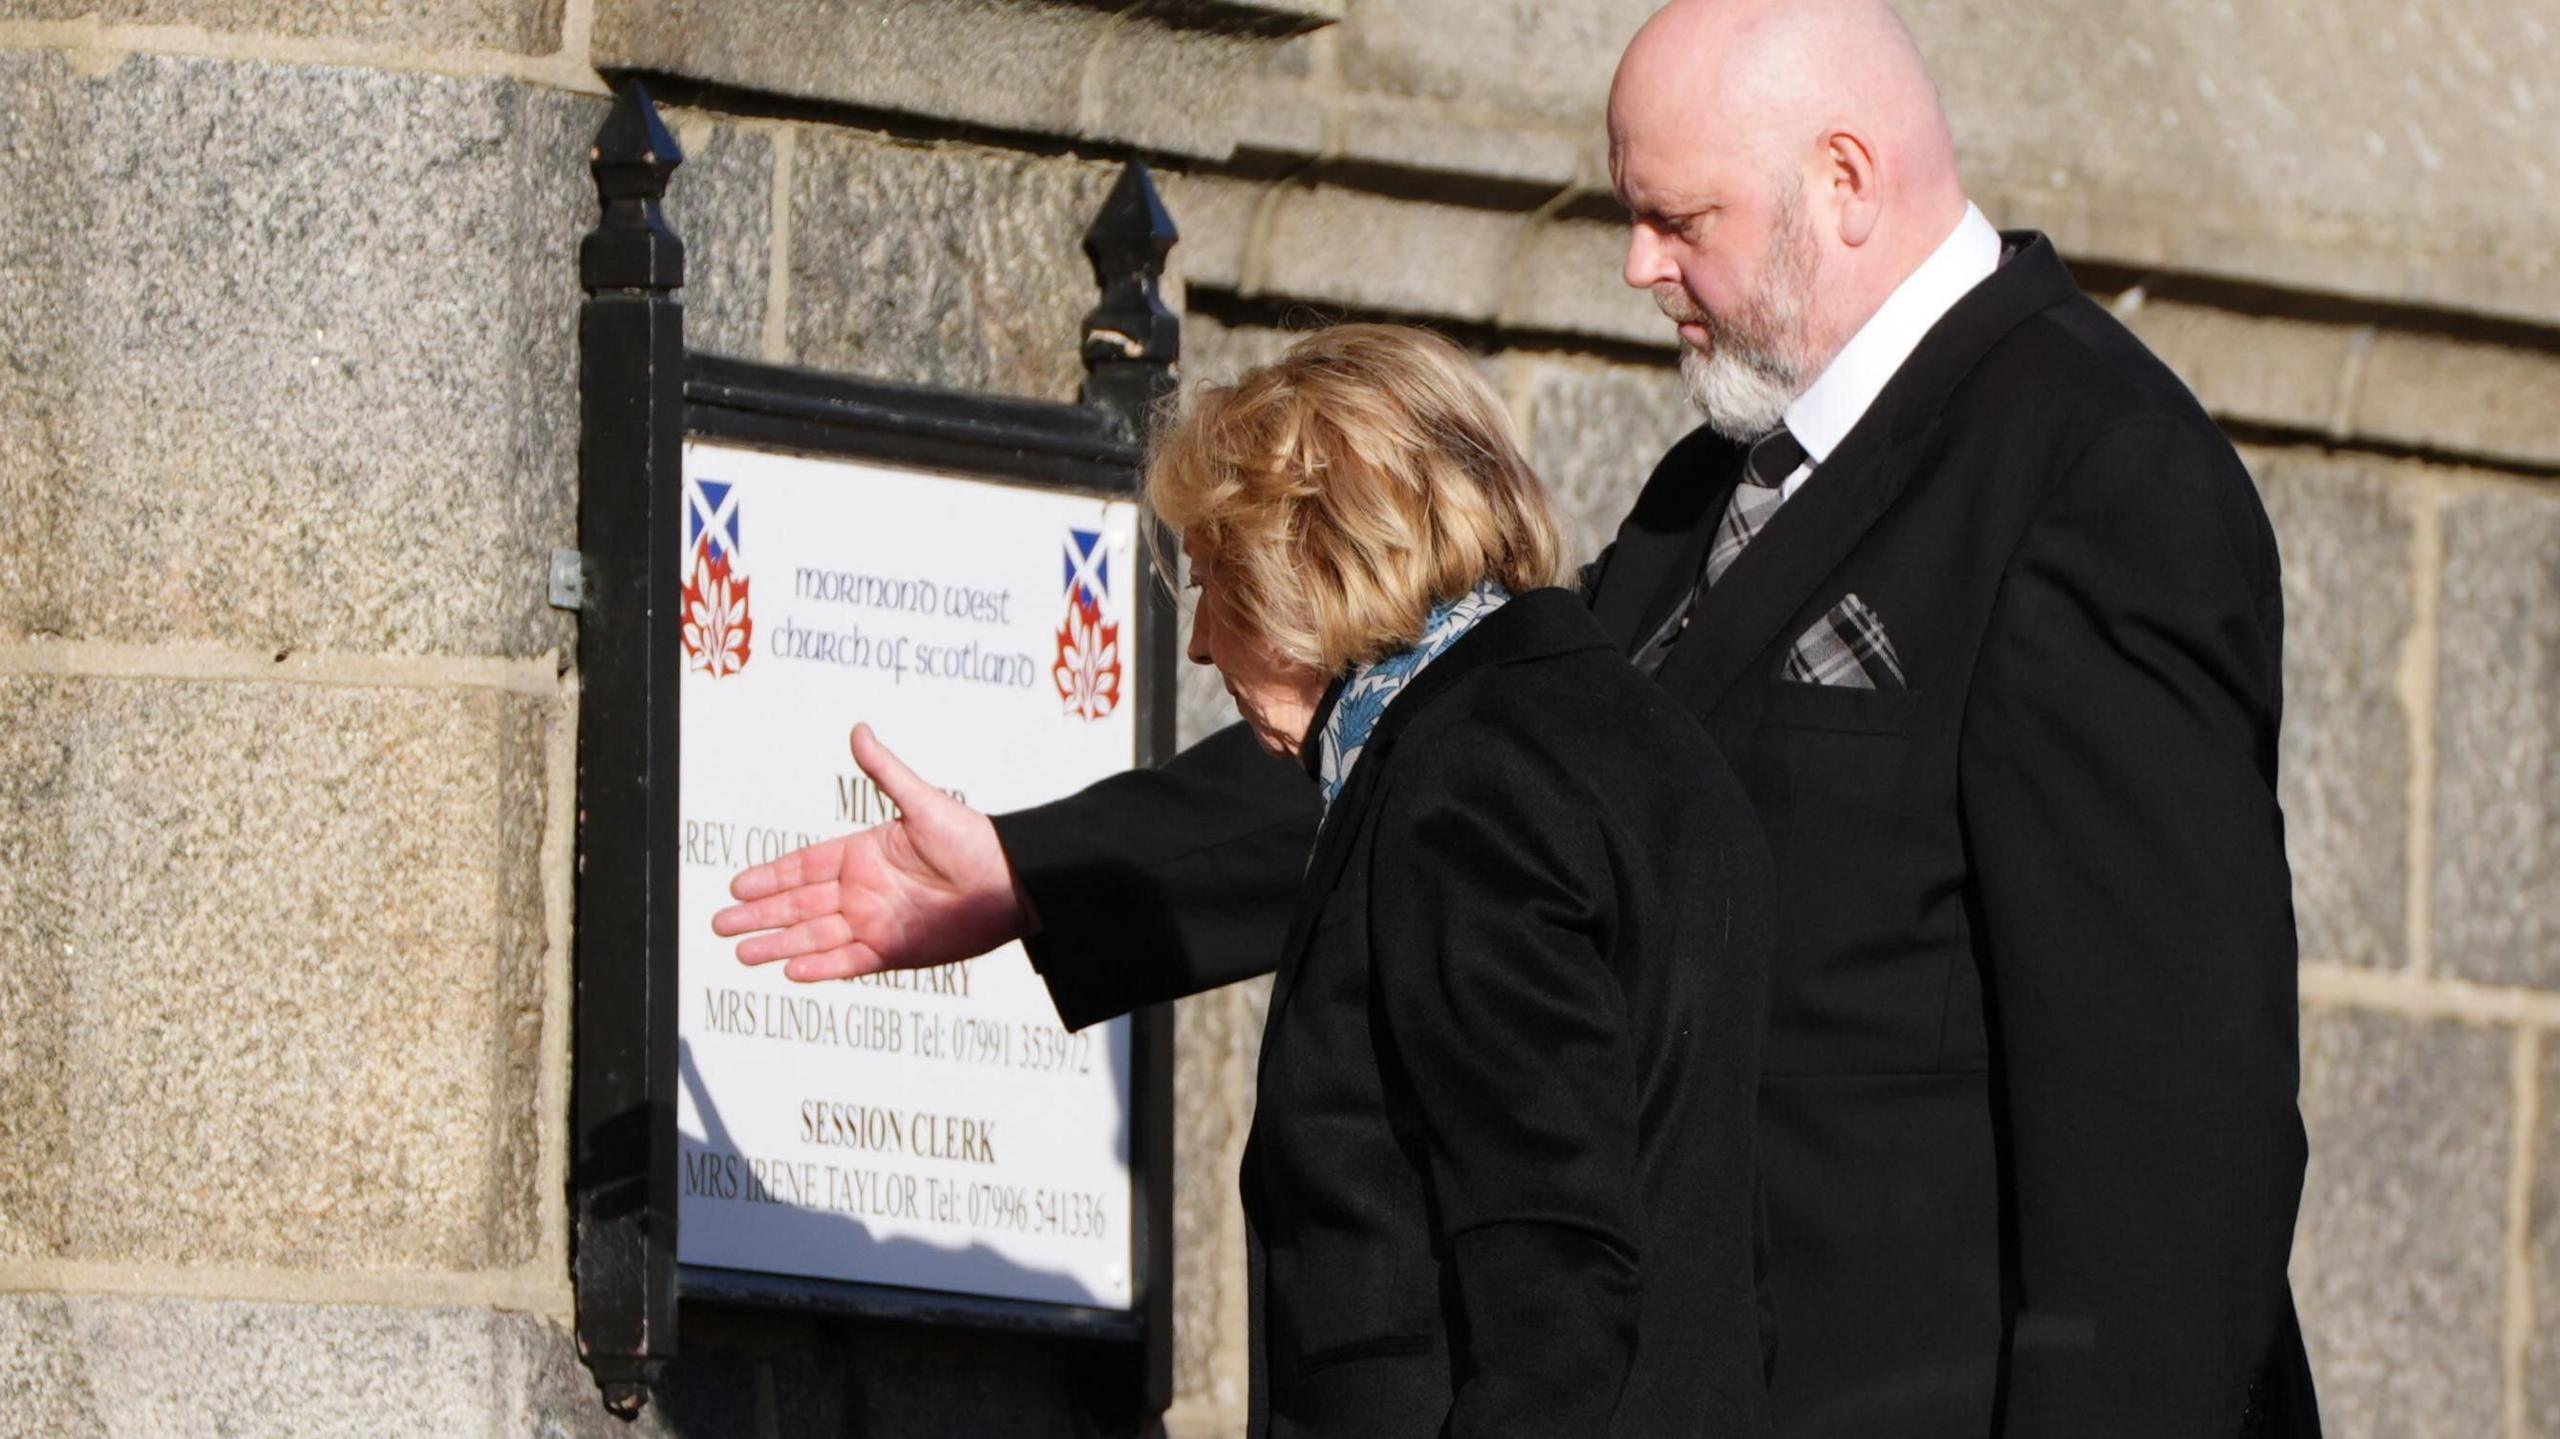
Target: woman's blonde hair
column 1344, row 489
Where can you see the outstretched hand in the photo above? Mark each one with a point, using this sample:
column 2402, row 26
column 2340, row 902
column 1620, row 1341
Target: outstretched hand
column 929, row 887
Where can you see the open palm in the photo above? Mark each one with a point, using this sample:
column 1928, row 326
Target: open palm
column 929, row 887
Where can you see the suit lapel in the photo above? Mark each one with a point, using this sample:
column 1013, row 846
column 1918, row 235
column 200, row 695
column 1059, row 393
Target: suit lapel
column 1659, row 550
column 1542, row 622
column 1333, row 851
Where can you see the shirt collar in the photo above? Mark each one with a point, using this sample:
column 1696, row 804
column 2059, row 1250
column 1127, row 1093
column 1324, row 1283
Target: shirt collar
column 1822, row 416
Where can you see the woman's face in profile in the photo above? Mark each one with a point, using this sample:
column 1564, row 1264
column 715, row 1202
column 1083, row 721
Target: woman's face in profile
column 1276, row 697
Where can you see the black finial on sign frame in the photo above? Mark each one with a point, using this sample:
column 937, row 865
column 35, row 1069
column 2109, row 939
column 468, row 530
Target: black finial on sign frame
column 631, row 247
column 1131, row 341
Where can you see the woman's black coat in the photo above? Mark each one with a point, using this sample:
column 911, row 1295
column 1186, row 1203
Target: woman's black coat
column 1500, row 1178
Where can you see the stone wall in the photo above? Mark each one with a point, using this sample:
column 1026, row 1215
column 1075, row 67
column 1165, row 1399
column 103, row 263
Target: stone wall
column 284, row 879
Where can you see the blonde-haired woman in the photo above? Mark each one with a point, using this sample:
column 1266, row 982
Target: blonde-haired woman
column 1500, row 1174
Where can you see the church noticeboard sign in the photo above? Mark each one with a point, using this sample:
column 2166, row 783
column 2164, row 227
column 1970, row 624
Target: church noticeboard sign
column 930, row 1129
column 766, row 557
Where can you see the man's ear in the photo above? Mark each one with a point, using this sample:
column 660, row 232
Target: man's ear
column 1850, row 167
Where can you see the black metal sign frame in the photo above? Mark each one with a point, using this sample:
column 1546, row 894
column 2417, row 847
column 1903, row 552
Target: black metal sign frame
column 642, row 396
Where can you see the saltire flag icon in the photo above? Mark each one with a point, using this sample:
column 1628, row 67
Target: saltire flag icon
column 712, row 510
column 1088, row 571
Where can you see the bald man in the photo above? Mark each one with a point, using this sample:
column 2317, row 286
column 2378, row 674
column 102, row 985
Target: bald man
column 1984, row 611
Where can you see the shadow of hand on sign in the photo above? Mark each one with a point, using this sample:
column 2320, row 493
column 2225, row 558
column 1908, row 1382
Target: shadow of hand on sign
column 717, row 1184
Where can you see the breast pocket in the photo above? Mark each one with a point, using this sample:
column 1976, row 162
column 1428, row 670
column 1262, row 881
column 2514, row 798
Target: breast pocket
column 1838, row 709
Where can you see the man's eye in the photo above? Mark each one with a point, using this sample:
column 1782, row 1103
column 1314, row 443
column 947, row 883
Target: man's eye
column 1688, row 227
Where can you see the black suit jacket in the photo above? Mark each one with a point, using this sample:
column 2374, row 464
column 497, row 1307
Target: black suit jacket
column 1500, row 1178
column 2028, row 1126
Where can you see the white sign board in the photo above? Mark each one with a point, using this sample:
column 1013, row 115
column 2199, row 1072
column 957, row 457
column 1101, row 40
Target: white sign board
column 935, row 1129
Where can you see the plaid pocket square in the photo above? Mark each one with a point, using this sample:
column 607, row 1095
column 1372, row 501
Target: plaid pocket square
column 1847, row 649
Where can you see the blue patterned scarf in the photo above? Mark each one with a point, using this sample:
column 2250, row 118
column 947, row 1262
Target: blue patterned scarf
column 1370, row 688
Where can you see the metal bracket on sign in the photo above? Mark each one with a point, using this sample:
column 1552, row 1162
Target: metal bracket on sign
column 568, row 580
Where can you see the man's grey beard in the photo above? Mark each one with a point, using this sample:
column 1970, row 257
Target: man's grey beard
column 1743, row 396
column 1756, row 364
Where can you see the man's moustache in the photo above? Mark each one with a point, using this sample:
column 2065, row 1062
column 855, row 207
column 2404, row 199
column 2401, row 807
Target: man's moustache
column 1679, row 312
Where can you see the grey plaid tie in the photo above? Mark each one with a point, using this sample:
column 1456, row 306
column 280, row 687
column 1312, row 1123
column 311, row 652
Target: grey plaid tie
column 1773, row 457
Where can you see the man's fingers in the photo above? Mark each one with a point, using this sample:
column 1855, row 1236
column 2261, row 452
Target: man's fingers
column 817, row 862
column 773, row 912
column 842, row 962
column 815, row 936
column 904, row 786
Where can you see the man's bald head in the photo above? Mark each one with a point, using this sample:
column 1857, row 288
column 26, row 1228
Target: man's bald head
column 1775, row 75
column 1769, row 146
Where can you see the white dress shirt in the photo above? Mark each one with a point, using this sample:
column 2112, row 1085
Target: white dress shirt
column 1822, row 416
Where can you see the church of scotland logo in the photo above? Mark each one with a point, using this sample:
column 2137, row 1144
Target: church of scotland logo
column 718, row 633
column 1088, row 668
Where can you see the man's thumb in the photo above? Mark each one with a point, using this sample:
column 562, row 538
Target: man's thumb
column 905, row 788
